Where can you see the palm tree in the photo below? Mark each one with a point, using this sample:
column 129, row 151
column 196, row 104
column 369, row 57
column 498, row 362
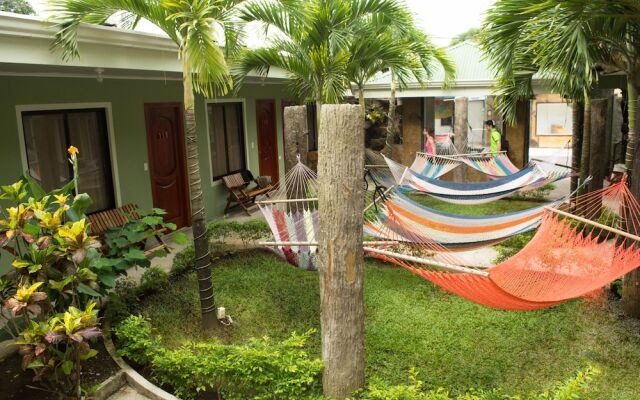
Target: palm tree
column 195, row 26
column 314, row 42
column 566, row 41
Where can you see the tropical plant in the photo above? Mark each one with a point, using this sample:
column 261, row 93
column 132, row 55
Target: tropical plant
column 205, row 32
column 55, row 348
column 470, row 34
column 586, row 36
column 317, row 41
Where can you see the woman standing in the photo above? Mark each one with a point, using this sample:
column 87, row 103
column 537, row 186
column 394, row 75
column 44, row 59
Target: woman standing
column 429, row 141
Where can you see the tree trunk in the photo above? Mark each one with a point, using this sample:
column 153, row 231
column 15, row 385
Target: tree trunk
column 598, row 136
column 631, row 281
column 576, row 149
column 362, row 102
column 392, row 123
column 295, row 135
column 198, row 218
column 586, row 141
column 461, row 134
column 340, row 203
column 632, row 99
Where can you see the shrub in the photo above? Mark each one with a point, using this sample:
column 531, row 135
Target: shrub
column 127, row 288
column 574, row 388
column 135, row 340
column 153, row 280
column 117, row 309
column 260, row 369
column 183, row 261
column 511, row 246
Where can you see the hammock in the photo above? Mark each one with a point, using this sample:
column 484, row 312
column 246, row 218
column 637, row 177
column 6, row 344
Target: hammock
column 291, row 212
column 413, row 222
column 528, row 178
column 575, row 251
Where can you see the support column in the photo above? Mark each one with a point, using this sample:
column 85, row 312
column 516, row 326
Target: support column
column 295, row 135
column 460, row 134
column 340, row 207
column 599, row 108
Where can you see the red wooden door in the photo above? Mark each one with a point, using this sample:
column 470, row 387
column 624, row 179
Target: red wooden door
column 267, row 138
column 167, row 168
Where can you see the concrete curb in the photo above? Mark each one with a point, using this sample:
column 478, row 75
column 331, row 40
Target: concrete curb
column 110, row 386
column 133, row 378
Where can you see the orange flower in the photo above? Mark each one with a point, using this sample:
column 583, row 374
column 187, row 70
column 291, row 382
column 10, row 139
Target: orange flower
column 73, row 150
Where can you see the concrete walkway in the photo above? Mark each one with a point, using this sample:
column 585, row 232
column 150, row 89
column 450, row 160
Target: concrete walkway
column 127, row 393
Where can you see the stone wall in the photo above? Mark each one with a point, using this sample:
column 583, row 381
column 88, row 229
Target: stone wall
column 411, row 131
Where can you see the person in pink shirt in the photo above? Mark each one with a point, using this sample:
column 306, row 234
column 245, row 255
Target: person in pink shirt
column 429, row 141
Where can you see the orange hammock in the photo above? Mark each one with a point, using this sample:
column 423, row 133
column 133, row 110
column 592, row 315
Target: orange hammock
column 577, row 249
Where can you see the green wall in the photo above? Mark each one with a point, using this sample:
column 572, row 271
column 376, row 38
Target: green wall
column 127, row 98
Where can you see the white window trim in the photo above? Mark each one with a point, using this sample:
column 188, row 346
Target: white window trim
column 74, row 106
column 244, row 129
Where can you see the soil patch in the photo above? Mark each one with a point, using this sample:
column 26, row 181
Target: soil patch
column 17, row 384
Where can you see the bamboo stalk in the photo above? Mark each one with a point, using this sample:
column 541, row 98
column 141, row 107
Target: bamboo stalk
column 276, row 201
column 450, row 267
column 596, row 224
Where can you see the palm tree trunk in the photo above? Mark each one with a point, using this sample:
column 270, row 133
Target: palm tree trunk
column 632, row 99
column 586, row 140
column 391, row 119
column 361, row 101
column 631, row 281
column 200, row 240
column 577, row 130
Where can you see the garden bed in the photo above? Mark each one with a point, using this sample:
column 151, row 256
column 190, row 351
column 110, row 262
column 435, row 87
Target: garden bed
column 18, row 384
column 451, row 342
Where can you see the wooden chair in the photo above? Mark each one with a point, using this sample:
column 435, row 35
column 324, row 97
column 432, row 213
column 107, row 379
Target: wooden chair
column 240, row 193
column 102, row 221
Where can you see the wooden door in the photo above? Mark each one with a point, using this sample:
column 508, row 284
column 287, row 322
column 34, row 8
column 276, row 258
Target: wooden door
column 167, row 167
column 267, row 138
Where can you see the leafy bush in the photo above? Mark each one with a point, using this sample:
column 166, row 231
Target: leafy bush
column 574, row 388
column 136, row 341
column 260, row 369
column 511, row 246
column 183, row 261
column 127, row 289
column 153, row 280
column 117, row 309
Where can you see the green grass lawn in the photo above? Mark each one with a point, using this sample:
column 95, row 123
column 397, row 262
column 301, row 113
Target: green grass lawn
column 494, row 207
column 409, row 323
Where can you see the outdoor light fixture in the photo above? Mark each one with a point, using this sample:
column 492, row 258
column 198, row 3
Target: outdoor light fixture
column 99, row 77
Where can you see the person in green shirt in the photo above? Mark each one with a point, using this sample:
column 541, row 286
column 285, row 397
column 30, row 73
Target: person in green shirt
column 494, row 135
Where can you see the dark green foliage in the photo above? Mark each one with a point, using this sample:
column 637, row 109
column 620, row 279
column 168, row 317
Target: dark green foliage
column 258, row 369
column 452, row 342
column 17, row 6
column 125, row 245
column 512, row 246
column 183, row 261
column 116, row 309
column 135, row 340
column 153, row 280
column 127, row 289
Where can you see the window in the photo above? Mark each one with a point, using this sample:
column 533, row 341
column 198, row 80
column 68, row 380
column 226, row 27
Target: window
column 553, row 119
column 48, row 134
column 226, row 138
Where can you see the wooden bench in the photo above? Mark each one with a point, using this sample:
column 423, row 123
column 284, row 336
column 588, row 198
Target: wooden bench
column 240, row 193
column 103, row 221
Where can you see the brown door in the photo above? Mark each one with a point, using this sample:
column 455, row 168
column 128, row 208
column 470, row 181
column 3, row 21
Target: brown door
column 267, row 138
column 167, row 168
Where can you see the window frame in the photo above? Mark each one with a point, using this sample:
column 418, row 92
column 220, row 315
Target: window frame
column 71, row 107
column 569, row 105
column 217, row 180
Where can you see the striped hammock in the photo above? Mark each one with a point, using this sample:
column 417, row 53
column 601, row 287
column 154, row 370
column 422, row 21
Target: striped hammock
column 400, row 218
column 528, row 178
